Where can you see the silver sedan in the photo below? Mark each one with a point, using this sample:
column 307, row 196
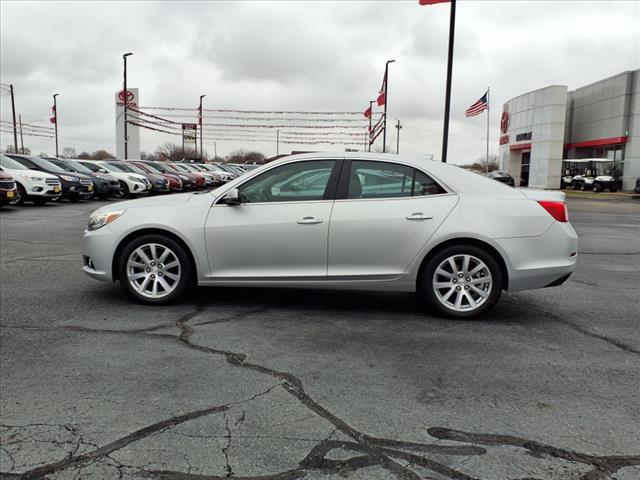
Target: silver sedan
column 340, row 221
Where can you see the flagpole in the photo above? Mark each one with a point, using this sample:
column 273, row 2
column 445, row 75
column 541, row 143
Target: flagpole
column 488, row 106
column 447, row 102
column 386, row 97
column 55, row 115
column 370, row 116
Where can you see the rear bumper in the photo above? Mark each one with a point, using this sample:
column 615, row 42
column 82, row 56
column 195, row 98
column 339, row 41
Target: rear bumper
column 543, row 261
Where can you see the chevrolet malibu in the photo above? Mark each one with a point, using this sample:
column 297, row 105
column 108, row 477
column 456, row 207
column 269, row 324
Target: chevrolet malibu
column 341, row 221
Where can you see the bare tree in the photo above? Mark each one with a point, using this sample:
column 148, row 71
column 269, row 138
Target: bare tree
column 101, row 155
column 484, row 164
column 69, row 152
column 243, row 156
column 84, row 155
column 172, row 152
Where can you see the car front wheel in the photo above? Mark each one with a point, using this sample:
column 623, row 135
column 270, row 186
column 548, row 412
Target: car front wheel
column 461, row 281
column 154, row 269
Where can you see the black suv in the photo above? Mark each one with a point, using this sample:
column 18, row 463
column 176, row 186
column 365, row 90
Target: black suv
column 75, row 186
column 104, row 185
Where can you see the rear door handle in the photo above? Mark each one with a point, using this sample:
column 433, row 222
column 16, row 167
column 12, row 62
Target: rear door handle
column 419, row 216
column 309, row 220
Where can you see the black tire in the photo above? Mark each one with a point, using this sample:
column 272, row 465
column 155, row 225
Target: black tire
column 427, row 290
column 21, row 194
column 597, row 187
column 124, row 190
column 187, row 277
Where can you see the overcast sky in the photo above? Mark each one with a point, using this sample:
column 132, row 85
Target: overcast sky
column 299, row 55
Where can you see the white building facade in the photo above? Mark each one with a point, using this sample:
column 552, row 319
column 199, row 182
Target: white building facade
column 601, row 120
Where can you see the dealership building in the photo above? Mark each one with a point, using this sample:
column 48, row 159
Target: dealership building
column 601, row 120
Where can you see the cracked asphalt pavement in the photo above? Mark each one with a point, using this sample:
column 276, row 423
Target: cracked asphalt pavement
column 286, row 384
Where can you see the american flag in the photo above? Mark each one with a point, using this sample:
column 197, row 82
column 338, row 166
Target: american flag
column 478, row 107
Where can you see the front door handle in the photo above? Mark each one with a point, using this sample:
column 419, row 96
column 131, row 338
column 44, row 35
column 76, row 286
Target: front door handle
column 419, row 216
column 309, row 221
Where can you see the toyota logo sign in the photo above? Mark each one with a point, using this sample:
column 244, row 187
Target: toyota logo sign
column 129, row 96
column 504, row 120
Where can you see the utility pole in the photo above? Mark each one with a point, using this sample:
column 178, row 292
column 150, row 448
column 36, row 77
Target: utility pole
column 124, row 90
column 15, row 130
column 277, row 142
column 447, row 101
column 201, row 121
column 215, row 150
column 21, row 139
column 386, row 98
column 55, row 116
column 398, row 127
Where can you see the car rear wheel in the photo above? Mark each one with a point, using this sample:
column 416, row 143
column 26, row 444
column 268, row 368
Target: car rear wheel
column 154, row 269
column 461, row 281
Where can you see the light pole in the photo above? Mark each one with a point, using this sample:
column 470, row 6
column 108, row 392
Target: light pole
column 447, row 100
column 398, row 127
column 200, row 122
column 124, row 93
column 55, row 116
column 386, row 98
column 15, row 129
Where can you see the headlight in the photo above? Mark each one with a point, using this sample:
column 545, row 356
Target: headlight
column 134, row 179
column 37, row 179
column 69, row 179
column 99, row 219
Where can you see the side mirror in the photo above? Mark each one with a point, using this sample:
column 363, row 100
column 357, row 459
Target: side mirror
column 102, row 170
column 232, row 197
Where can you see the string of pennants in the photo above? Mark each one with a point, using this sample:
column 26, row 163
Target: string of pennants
column 340, row 130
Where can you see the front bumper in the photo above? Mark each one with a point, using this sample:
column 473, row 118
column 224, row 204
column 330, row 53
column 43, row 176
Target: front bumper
column 8, row 195
column 98, row 250
column 542, row 261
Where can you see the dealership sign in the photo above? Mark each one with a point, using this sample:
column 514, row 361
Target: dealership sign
column 131, row 99
column 504, row 125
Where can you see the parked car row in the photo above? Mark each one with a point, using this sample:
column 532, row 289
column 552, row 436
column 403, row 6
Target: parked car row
column 46, row 179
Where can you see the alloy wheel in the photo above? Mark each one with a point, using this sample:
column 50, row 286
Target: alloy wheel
column 462, row 283
column 153, row 270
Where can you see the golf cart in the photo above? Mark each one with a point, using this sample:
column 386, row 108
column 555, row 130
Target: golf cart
column 597, row 174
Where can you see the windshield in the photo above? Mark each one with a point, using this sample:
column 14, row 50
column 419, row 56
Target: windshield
column 223, row 168
column 158, row 166
column 78, row 166
column 11, row 164
column 129, row 168
column 46, row 164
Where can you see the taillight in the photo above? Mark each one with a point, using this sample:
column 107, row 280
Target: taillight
column 557, row 210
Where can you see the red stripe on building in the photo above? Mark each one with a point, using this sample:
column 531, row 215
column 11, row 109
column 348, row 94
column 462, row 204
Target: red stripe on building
column 520, row 146
column 597, row 143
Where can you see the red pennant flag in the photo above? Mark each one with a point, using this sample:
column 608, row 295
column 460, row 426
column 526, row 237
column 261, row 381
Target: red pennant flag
column 54, row 119
column 383, row 91
column 367, row 113
column 432, row 2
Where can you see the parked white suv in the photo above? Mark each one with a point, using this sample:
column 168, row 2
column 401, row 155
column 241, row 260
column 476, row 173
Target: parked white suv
column 131, row 184
column 34, row 185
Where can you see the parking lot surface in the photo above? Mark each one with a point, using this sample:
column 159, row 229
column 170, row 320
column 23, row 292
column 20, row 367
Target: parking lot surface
column 284, row 384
